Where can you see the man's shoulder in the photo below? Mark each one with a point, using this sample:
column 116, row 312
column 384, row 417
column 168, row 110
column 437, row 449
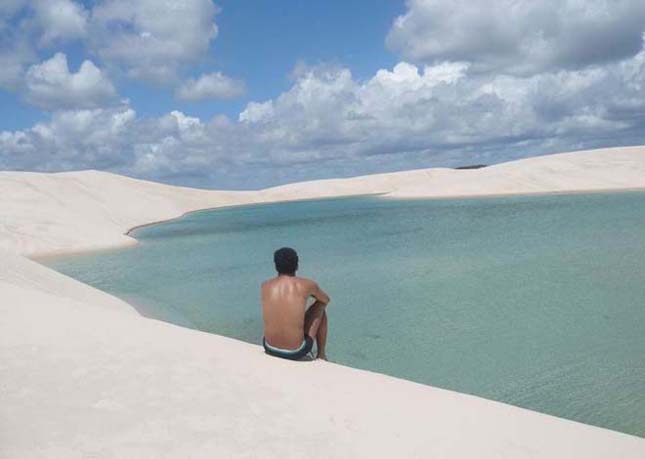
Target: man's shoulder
column 266, row 283
column 306, row 281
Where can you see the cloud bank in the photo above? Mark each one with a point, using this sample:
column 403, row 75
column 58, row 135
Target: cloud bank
column 474, row 85
column 149, row 40
column 520, row 37
column 330, row 122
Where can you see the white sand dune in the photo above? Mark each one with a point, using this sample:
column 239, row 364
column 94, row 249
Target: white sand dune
column 83, row 375
column 89, row 210
column 596, row 170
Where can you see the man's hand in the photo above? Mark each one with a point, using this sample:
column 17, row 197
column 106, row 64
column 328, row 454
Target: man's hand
column 319, row 294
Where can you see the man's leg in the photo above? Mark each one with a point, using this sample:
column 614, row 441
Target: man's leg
column 321, row 337
column 316, row 326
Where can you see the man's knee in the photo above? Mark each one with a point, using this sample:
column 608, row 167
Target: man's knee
column 313, row 318
column 316, row 309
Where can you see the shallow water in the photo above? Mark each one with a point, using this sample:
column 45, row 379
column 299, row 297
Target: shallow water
column 534, row 301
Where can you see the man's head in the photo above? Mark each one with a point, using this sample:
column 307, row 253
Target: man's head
column 286, row 261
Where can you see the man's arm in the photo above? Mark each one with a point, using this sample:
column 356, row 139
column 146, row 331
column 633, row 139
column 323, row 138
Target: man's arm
column 319, row 294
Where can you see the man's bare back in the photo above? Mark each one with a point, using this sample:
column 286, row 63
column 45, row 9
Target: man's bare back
column 287, row 319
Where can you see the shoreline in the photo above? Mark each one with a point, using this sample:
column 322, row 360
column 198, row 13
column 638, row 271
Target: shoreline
column 73, row 253
column 605, row 170
column 246, row 204
column 593, row 191
column 385, row 196
column 37, row 257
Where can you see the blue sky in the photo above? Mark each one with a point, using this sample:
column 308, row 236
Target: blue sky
column 232, row 94
column 343, row 32
column 347, row 33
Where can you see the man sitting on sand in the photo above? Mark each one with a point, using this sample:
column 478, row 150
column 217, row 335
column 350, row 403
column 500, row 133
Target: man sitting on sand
column 289, row 327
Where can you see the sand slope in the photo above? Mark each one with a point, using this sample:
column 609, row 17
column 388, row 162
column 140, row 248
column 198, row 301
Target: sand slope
column 83, row 375
column 88, row 210
column 81, row 381
column 596, row 170
column 18, row 271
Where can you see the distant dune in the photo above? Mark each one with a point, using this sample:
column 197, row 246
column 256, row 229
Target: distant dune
column 83, row 375
column 608, row 169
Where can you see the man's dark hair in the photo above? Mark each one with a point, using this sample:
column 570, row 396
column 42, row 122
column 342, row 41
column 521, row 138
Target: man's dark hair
column 286, row 261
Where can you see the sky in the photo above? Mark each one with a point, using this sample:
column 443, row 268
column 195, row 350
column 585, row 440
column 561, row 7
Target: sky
column 249, row 94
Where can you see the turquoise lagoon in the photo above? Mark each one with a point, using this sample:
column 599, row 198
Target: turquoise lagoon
column 536, row 301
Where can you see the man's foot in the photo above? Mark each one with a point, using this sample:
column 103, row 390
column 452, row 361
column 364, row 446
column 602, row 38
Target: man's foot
column 322, row 356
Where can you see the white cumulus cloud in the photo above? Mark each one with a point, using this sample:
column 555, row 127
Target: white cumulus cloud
column 331, row 124
column 152, row 39
column 210, row 86
column 72, row 139
column 51, row 85
column 26, row 26
column 61, row 20
column 519, row 36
